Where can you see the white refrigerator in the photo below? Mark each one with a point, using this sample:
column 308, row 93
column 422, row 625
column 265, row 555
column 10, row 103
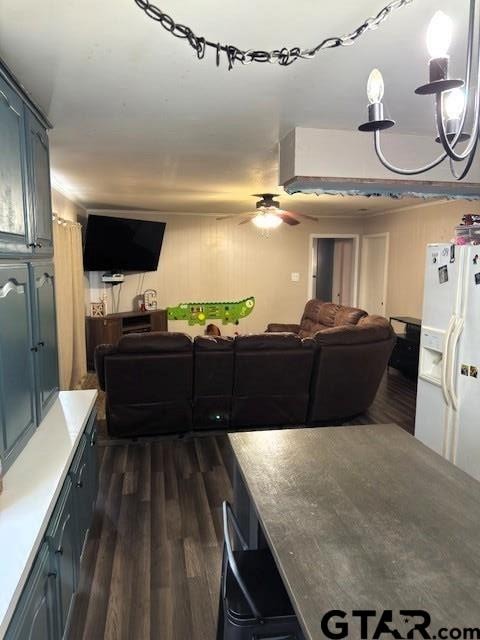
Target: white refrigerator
column 448, row 397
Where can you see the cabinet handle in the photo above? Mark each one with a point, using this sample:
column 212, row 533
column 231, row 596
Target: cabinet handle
column 34, row 349
column 79, row 482
column 59, row 549
column 52, row 574
column 38, row 245
column 41, row 344
column 31, row 245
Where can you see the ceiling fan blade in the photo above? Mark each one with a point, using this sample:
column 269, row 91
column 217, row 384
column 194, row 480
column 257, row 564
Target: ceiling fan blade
column 245, row 221
column 297, row 215
column 224, row 217
column 288, row 218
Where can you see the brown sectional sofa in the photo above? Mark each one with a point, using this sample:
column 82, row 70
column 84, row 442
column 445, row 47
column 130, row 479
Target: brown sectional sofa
column 319, row 316
column 166, row 383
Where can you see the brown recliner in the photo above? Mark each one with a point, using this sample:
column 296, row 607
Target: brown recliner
column 213, row 381
column 271, row 380
column 349, row 364
column 148, row 381
column 318, row 316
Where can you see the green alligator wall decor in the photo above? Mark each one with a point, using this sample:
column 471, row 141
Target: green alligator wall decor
column 200, row 312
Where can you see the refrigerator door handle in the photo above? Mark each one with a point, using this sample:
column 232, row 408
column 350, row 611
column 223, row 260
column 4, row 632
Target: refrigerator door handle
column 445, row 362
column 452, row 361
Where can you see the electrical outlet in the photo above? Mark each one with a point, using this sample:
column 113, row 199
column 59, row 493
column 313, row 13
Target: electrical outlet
column 295, row 276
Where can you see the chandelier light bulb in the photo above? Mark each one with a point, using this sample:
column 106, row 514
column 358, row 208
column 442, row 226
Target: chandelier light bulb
column 439, row 35
column 454, row 104
column 375, row 87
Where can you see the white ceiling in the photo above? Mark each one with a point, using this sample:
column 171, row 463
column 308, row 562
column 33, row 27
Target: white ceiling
column 141, row 123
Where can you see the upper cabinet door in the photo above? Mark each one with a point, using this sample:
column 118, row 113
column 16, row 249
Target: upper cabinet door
column 14, row 235
column 45, row 337
column 40, row 192
column 17, row 396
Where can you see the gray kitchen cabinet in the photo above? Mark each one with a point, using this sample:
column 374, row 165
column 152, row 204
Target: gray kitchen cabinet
column 28, row 340
column 84, row 473
column 14, row 230
column 45, row 605
column 34, row 617
column 45, row 334
column 40, row 202
column 61, row 538
column 17, row 386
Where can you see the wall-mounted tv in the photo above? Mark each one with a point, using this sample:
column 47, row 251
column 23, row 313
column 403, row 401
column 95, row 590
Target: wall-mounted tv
column 122, row 244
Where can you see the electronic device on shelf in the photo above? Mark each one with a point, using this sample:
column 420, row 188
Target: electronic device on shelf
column 113, row 278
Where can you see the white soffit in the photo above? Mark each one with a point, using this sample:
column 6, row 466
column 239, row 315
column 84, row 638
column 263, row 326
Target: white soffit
column 327, row 161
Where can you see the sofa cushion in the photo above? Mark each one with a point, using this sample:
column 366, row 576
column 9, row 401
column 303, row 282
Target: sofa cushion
column 312, row 331
column 155, row 342
column 348, row 315
column 101, row 351
column 213, row 343
column 368, row 331
column 268, row 341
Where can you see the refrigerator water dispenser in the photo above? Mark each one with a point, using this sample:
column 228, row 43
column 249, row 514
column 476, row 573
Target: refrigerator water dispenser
column 431, row 355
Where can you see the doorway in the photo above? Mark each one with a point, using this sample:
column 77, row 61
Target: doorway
column 334, row 268
column 374, row 273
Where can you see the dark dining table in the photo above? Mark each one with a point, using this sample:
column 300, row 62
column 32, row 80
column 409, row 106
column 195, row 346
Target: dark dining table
column 367, row 527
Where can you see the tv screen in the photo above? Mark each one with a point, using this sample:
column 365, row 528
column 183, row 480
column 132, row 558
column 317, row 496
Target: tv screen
column 122, row 244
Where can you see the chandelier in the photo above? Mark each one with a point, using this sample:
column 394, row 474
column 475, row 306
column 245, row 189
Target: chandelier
column 453, row 98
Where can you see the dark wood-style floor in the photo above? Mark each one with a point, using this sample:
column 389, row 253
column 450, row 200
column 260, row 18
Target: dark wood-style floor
column 151, row 567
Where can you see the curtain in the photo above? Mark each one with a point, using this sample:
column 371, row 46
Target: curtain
column 70, row 303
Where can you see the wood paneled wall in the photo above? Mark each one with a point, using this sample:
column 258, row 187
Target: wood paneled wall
column 208, row 260
column 410, row 231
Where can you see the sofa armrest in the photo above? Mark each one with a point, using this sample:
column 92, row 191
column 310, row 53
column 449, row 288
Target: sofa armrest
column 283, row 328
column 101, row 351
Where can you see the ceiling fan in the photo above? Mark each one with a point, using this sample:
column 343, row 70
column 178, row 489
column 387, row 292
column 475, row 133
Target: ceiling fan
column 269, row 215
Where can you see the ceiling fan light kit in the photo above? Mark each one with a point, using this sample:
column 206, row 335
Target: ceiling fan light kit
column 452, row 102
column 267, row 220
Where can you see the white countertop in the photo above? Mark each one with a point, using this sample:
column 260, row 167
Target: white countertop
column 30, row 490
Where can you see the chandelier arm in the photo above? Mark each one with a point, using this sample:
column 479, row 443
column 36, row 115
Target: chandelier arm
column 399, row 170
column 447, row 145
column 468, row 71
column 450, row 147
column 466, row 169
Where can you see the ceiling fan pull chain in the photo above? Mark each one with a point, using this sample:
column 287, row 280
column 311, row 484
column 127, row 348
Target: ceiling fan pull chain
column 282, row 56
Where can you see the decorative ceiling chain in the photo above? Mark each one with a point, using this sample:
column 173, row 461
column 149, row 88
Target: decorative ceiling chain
column 284, row 56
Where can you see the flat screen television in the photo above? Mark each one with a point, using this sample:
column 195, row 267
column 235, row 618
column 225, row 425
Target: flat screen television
column 122, row 244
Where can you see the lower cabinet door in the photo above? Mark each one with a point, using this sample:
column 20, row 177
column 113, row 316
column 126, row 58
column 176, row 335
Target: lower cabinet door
column 45, row 334
column 17, row 396
column 61, row 538
column 91, row 434
column 34, row 618
column 81, row 491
